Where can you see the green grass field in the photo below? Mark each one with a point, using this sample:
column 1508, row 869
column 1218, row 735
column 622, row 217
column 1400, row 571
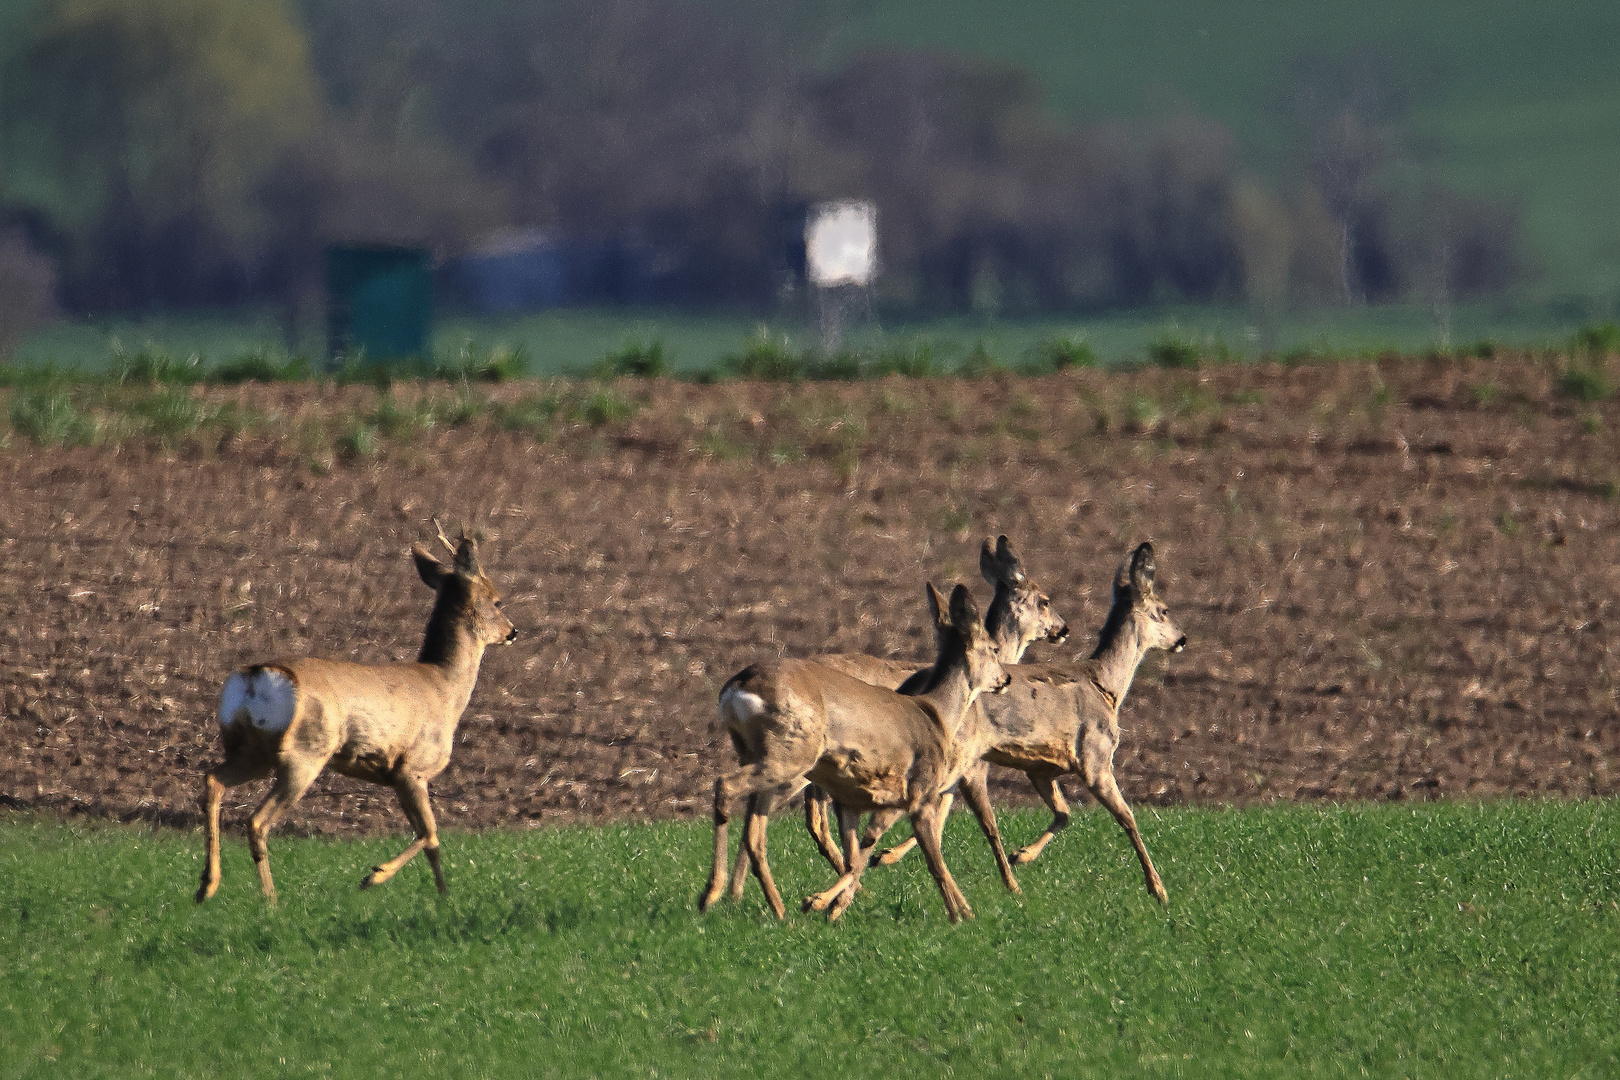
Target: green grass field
column 572, row 340
column 1445, row 940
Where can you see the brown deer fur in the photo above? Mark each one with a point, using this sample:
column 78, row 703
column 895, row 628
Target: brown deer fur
column 1019, row 614
column 872, row 749
column 1063, row 718
column 390, row 724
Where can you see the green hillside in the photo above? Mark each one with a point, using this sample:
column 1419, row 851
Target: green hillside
column 1512, row 98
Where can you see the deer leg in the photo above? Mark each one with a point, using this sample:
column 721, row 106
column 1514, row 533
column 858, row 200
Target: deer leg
column 837, row 899
column 976, row 793
column 723, row 792
column 772, row 780
column 925, row 827
column 1046, row 785
column 739, row 867
column 292, row 780
column 413, row 799
column 759, row 816
column 903, row 848
column 215, row 783
column 816, row 802
column 849, row 823
column 1102, row 785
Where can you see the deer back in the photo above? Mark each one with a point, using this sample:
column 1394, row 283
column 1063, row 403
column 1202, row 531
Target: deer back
column 888, row 674
column 1039, row 720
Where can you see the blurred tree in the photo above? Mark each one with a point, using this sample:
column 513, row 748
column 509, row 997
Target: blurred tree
column 661, row 131
column 143, row 129
column 1348, row 114
column 1263, row 234
column 1315, row 273
column 27, row 290
column 174, row 152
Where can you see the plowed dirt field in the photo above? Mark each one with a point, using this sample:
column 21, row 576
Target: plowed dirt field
column 1399, row 580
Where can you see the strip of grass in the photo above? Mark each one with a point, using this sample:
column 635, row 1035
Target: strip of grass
column 1435, row 940
column 603, row 342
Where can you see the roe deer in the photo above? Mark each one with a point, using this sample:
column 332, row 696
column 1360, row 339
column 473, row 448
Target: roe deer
column 390, row 724
column 1019, row 614
column 869, row 747
column 1062, row 718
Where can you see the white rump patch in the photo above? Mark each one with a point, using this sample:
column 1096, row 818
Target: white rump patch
column 266, row 697
column 738, row 706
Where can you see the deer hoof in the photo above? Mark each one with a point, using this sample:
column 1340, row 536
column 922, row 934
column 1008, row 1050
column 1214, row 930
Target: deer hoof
column 890, row 857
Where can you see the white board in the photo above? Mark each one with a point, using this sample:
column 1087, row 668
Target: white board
column 840, row 243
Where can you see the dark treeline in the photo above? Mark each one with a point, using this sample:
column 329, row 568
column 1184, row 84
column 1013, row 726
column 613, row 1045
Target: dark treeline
column 177, row 153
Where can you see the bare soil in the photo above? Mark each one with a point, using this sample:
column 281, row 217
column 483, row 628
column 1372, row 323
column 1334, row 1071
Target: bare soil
column 1400, row 580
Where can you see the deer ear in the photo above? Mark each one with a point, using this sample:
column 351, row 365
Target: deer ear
column 1000, row 565
column 1142, row 569
column 467, row 556
column 1011, row 564
column 987, row 564
column 938, row 611
column 431, row 569
column 964, row 612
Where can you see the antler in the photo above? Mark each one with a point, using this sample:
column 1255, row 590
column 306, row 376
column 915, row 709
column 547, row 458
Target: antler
column 443, row 539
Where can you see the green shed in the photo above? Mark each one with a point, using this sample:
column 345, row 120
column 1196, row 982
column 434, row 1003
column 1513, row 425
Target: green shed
column 379, row 302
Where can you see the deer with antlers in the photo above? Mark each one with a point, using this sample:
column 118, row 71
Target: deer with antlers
column 389, row 724
column 870, row 748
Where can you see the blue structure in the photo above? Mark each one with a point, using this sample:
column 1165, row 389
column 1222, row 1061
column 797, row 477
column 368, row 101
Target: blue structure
column 533, row 269
column 520, row 271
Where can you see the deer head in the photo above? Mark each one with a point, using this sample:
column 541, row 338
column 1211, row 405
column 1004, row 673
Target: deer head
column 957, row 627
column 465, row 591
column 1020, row 613
column 1133, row 584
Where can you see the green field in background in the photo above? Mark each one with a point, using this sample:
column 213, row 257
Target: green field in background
column 572, row 340
column 1436, row 940
column 1503, row 99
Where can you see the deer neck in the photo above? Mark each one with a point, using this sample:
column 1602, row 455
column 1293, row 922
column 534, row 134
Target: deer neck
column 450, row 645
column 1011, row 651
column 1120, row 648
column 999, row 624
column 948, row 695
